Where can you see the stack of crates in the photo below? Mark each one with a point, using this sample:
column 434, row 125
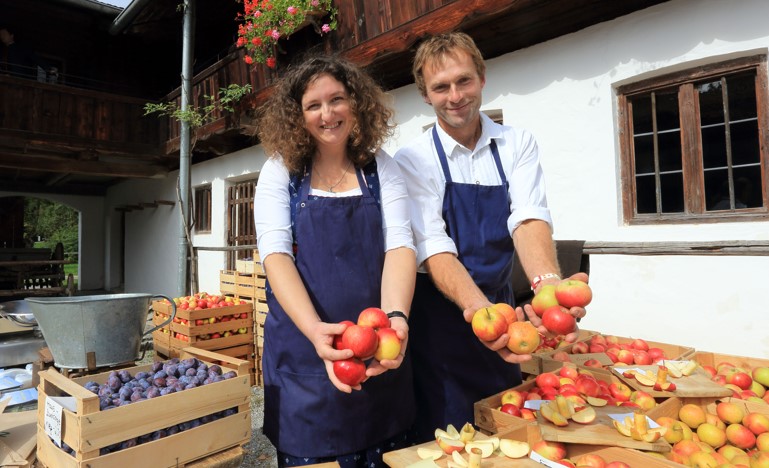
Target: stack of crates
column 247, row 283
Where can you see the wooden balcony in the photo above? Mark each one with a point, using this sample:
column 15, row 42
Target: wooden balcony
column 64, row 131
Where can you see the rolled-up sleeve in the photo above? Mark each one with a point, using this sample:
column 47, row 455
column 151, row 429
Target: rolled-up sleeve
column 528, row 199
column 425, row 185
column 396, row 220
column 272, row 214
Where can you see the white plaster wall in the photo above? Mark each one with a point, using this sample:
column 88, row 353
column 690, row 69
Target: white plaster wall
column 153, row 235
column 563, row 91
column 90, row 232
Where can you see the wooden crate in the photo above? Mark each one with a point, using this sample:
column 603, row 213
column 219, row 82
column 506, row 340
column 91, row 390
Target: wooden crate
column 250, row 266
column 706, row 358
column 534, row 366
column 488, row 417
column 89, row 429
column 166, row 342
column 632, row 457
column 672, row 352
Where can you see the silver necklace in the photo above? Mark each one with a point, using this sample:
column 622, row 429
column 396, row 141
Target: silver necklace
column 332, row 187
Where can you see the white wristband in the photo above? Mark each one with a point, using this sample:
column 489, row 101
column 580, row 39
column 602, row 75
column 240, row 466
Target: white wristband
column 538, row 279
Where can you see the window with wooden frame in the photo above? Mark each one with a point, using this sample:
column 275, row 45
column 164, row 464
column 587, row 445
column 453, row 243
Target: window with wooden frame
column 695, row 144
column 203, row 209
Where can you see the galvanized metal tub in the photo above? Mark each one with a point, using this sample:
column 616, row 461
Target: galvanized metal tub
column 84, row 332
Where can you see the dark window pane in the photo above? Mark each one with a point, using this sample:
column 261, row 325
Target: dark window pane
column 742, row 96
column 672, row 192
column 716, row 190
column 642, row 114
column 670, row 151
column 713, row 147
column 745, row 143
column 644, row 155
column 711, row 103
column 747, row 186
column 667, row 111
column 645, row 194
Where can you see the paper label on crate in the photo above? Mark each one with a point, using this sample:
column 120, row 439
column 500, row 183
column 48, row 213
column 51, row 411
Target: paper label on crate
column 544, row 461
column 54, row 407
column 621, row 418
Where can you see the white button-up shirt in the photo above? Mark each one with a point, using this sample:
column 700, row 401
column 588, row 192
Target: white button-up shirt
column 426, row 183
column 272, row 213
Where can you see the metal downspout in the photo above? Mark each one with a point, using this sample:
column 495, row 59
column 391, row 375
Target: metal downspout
column 188, row 47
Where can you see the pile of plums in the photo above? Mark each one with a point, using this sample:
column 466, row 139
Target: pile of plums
column 174, row 375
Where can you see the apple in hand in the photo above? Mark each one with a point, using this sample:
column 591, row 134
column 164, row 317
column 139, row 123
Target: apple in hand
column 558, row 320
column 544, row 299
column 337, row 344
column 373, row 317
column 362, row 341
column 389, row 346
column 350, row 371
column 573, row 293
column 508, row 311
column 489, row 324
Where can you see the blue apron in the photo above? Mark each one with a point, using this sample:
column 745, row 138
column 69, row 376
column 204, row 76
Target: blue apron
column 452, row 368
column 339, row 256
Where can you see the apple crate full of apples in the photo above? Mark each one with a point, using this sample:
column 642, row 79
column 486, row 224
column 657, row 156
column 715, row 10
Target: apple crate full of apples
column 160, row 414
column 222, row 323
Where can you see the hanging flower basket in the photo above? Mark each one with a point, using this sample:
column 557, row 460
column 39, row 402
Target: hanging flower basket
column 264, row 22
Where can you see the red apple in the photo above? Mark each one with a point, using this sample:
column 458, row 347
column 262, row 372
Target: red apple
column 362, row 341
column 657, row 354
column 740, row 379
column 642, row 358
column 350, row 371
column 573, row 293
column 638, row 343
column 511, row 409
column 580, row 347
column 337, row 344
column 547, row 379
column 373, row 317
column 558, row 320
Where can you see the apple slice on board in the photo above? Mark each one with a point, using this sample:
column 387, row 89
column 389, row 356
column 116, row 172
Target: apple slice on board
column 514, row 448
column 428, row 453
column 459, row 459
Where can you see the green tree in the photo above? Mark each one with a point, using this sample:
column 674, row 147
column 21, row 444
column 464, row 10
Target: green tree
column 51, row 223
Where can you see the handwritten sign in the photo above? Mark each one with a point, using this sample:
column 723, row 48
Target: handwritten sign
column 52, row 420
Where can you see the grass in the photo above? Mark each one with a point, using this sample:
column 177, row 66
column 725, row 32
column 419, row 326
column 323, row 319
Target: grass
column 70, row 268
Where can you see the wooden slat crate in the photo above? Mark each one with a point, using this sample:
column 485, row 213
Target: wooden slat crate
column 88, row 429
column 250, row 266
column 166, row 342
column 672, row 352
column 534, row 366
column 488, row 417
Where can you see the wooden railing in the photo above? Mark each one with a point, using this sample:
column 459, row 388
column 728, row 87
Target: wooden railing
column 64, row 115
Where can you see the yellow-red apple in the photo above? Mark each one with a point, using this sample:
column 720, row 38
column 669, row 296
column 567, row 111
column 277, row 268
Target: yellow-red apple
column 488, row 324
column 711, row 435
column 544, row 299
column 761, row 375
column 507, row 311
column 513, row 397
column 389, row 346
column 547, row 379
column 740, row 436
column 758, row 423
column 551, row 450
column 523, row 338
column 730, row 413
column 692, row 415
column 762, row 442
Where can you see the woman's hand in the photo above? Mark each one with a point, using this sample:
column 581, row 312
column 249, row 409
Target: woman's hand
column 322, row 337
column 401, row 328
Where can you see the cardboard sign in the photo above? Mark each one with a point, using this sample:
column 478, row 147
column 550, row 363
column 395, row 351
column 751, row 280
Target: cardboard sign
column 54, row 409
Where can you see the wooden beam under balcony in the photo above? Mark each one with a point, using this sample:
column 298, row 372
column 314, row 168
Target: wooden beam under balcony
column 63, row 164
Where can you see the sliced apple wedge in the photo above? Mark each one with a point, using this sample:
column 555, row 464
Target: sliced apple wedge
column 494, row 441
column 452, row 431
column 467, row 433
column 622, row 428
column 550, row 412
column 514, row 448
column 459, row 459
column 426, row 453
column 565, row 407
column 450, row 445
column 645, row 379
column 486, row 448
column 425, row 463
column 674, row 369
column 443, row 433
column 597, row 402
column 585, row 416
column 689, row 368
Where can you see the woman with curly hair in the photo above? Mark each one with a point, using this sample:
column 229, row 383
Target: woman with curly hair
column 334, row 235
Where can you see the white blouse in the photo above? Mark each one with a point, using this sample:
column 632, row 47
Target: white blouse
column 272, row 213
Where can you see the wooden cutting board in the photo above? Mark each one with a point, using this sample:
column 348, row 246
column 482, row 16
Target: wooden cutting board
column 697, row 385
column 405, row 457
column 599, row 432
